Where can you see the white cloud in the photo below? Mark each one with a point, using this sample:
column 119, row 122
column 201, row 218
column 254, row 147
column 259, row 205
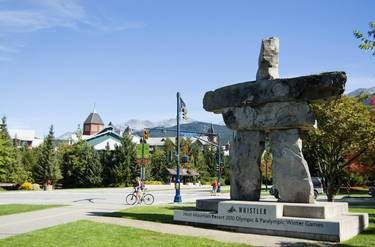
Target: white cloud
column 7, row 49
column 63, row 8
column 44, row 14
column 29, row 21
column 4, row 59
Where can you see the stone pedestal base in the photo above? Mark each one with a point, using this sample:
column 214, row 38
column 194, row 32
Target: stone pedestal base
column 320, row 221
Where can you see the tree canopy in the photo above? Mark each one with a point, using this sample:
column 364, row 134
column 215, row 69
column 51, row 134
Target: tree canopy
column 369, row 42
column 47, row 166
column 345, row 133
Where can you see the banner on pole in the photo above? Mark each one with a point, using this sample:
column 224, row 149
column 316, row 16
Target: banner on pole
column 146, row 152
column 139, row 161
column 188, row 134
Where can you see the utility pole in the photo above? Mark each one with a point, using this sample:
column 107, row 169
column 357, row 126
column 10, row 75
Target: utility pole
column 145, row 137
column 143, row 159
column 219, row 164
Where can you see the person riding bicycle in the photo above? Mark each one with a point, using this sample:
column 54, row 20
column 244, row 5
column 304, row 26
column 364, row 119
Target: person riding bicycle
column 138, row 187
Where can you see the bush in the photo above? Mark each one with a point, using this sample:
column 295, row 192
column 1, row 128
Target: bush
column 153, row 182
column 36, row 187
column 26, row 186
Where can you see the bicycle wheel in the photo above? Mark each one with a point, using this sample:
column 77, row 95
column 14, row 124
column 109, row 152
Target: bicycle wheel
column 131, row 199
column 148, row 199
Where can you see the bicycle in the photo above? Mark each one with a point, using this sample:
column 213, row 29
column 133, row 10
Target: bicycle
column 147, row 198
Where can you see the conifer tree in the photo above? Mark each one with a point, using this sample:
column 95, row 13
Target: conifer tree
column 8, row 155
column 80, row 164
column 159, row 164
column 47, row 167
column 106, row 159
column 125, row 169
column 210, row 157
column 11, row 166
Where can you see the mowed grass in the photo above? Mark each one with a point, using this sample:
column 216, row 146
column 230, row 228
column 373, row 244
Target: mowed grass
column 367, row 237
column 6, row 209
column 161, row 214
column 93, row 234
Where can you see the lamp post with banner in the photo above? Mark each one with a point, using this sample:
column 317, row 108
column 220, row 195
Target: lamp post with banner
column 181, row 107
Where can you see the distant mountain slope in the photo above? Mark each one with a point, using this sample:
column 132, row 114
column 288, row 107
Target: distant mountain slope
column 137, row 125
column 66, row 135
column 356, row 93
column 225, row 133
column 365, row 90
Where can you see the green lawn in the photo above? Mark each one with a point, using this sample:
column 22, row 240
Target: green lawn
column 21, row 208
column 366, row 238
column 87, row 233
column 354, row 193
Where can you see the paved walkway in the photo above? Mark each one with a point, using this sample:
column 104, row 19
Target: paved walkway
column 15, row 224
column 218, row 235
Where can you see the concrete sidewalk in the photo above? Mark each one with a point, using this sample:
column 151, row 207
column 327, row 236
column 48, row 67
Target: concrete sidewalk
column 15, row 224
column 218, row 235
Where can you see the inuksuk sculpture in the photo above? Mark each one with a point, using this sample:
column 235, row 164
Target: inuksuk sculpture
column 279, row 107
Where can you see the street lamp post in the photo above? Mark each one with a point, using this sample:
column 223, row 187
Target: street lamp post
column 177, row 197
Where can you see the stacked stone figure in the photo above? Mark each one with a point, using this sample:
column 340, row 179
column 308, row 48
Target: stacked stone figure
column 279, row 107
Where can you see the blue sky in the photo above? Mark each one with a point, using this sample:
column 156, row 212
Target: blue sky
column 59, row 57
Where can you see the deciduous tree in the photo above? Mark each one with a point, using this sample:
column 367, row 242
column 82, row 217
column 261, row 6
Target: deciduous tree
column 367, row 43
column 344, row 126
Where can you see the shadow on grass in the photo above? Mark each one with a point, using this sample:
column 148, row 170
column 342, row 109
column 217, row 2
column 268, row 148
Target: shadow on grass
column 161, row 218
column 298, row 244
column 155, row 214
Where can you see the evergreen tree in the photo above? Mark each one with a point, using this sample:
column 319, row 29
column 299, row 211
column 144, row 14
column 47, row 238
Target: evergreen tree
column 210, row 156
column 106, row 159
column 159, row 164
column 125, row 169
column 198, row 160
column 47, row 167
column 28, row 159
column 169, row 147
column 10, row 166
column 80, row 164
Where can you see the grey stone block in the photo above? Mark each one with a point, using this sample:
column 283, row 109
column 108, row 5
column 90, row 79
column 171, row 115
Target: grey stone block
column 276, row 115
column 208, row 204
column 313, row 88
column 290, row 172
column 245, row 174
column 268, row 218
column 268, row 63
column 319, row 210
